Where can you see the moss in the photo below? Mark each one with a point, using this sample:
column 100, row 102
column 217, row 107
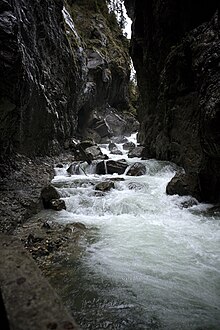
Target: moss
column 100, row 32
column 92, row 21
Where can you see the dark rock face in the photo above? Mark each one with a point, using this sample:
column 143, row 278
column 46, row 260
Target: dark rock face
column 20, row 189
column 56, row 68
column 176, row 51
column 38, row 74
column 107, row 66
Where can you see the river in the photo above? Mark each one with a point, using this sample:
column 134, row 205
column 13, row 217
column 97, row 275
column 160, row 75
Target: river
column 147, row 261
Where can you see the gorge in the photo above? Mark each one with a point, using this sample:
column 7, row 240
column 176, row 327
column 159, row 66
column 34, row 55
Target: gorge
column 150, row 260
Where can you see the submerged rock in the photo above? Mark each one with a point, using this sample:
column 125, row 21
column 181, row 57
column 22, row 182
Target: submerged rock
column 137, row 169
column 105, row 186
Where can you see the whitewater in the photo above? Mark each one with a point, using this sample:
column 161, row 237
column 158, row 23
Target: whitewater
column 148, row 261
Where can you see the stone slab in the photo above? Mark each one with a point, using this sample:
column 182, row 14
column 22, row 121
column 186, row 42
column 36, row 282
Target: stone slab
column 29, row 300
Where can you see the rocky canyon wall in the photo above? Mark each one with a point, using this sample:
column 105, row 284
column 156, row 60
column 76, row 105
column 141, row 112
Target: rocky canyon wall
column 62, row 63
column 176, row 50
column 53, row 72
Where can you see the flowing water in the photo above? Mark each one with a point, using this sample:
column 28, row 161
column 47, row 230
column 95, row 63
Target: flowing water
column 147, row 261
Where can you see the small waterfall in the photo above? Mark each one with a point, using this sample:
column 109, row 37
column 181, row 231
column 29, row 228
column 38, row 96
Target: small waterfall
column 105, row 165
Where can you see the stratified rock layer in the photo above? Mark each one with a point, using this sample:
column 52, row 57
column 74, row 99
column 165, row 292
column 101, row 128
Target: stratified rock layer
column 176, row 50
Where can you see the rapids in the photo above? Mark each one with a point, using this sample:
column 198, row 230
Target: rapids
column 148, row 262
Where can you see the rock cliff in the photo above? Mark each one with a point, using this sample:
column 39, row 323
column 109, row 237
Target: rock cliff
column 63, row 65
column 176, row 50
column 58, row 60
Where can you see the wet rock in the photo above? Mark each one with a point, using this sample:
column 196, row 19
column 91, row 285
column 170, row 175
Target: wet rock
column 135, row 152
column 46, row 225
column 29, row 300
column 85, row 144
column 184, row 184
column 189, row 203
column 116, row 151
column 31, row 239
column 47, row 194
column 112, row 146
column 214, row 210
column 94, row 59
column 59, row 165
column 94, row 153
column 79, row 225
column 129, row 146
column 137, row 169
column 105, row 186
column 57, row 204
column 111, row 167
column 120, row 139
column 100, row 127
column 74, row 168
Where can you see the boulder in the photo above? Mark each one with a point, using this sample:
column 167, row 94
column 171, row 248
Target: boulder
column 120, row 139
column 136, row 152
column 57, row 204
column 111, row 167
column 47, row 194
column 100, row 127
column 94, row 152
column 85, row 144
column 117, row 152
column 74, row 168
column 129, row 146
column 137, row 186
column 105, row 186
column 51, row 199
column 137, row 169
column 112, row 146
column 184, row 184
